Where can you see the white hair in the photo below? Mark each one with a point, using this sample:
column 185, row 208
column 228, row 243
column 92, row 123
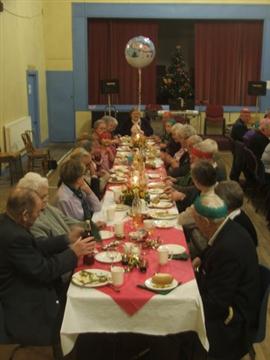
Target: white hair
column 194, row 139
column 207, row 146
column 176, row 128
column 213, row 201
column 98, row 123
column 186, row 131
column 79, row 153
column 109, row 119
column 33, row 181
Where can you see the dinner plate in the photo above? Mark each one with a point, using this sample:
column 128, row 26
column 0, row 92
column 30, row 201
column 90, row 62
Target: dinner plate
column 121, row 168
column 162, row 215
column 105, row 234
column 163, row 204
column 153, row 176
column 150, row 285
column 121, row 207
column 155, row 191
column 105, row 258
column 164, row 224
column 117, row 181
column 156, row 185
column 96, row 277
column 175, row 249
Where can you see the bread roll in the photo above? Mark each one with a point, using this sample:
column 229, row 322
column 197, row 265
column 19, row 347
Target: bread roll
column 161, row 279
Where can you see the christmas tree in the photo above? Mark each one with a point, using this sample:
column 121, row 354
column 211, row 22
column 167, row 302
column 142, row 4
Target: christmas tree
column 176, row 83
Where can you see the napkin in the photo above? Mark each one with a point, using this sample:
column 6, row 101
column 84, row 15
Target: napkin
column 184, row 256
column 161, row 292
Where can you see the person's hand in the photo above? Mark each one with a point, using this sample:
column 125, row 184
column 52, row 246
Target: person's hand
column 85, row 188
column 169, row 180
column 196, row 263
column 177, row 195
column 100, row 224
column 74, row 233
column 174, row 163
column 83, row 246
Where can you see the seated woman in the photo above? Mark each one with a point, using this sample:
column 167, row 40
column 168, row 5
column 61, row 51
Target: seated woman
column 51, row 221
column 74, row 197
column 108, row 137
column 168, row 144
column 102, row 154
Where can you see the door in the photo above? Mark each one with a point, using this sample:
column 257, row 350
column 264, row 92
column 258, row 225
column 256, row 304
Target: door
column 33, row 104
column 60, row 106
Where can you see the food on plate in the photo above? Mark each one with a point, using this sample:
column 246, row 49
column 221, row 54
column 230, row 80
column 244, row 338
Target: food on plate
column 162, row 280
column 86, row 277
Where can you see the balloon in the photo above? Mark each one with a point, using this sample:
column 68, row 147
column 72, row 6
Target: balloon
column 140, row 52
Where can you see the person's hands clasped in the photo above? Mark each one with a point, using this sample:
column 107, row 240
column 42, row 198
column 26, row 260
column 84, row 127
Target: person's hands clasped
column 84, row 246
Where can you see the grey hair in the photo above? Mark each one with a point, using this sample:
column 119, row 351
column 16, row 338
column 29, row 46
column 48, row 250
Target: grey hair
column 186, row 131
column 207, row 146
column 98, row 122
column 194, row 139
column 231, row 193
column 79, row 153
column 176, row 128
column 33, row 181
column 109, row 119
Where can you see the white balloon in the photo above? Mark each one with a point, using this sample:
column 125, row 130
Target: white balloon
column 140, row 52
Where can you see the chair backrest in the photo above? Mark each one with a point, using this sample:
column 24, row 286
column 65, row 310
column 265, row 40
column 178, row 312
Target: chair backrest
column 26, row 138
column 265, row 290
column 214, row 110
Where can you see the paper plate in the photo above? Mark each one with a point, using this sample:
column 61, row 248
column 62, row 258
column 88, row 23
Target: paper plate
column 148, row 283
column 105, row 257
column 96, row 278
column 162, row 215
column 175, row 249
column 105, row 234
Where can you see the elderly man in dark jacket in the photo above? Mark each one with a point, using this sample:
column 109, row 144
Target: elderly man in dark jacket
column 29, row 271
column 228, row 280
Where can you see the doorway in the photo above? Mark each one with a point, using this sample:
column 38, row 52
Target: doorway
column 33, row 104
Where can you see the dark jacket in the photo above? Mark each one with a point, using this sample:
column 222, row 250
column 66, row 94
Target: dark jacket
column 245, row 221
column 29, row 271
column 258, row 143
column 238, row 130
column 229, row 276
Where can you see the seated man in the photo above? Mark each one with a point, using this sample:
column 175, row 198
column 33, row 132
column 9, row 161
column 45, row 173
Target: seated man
column 29, row 271
column 240, row 127
column 228, row 280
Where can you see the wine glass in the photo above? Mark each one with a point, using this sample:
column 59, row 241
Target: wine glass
column 149, row 226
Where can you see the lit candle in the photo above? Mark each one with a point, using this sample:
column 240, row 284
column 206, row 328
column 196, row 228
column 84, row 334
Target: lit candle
column 135, row 180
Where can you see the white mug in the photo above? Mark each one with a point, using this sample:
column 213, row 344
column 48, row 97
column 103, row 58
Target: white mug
column 119, row 229
column 117, row 275
column 163, row 254
column 117, row 194
column 110, row 212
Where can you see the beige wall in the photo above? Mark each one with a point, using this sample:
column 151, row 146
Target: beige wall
column 21, row 49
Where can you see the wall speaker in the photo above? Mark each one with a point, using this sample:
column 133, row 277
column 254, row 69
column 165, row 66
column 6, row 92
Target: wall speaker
column 257, row 88
column 109, row 86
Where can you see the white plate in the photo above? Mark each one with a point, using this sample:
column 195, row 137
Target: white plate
column 163, row 204
column 121, row 207
column 98, row 272
column 148, row 283
column 155, row 191
column 121, row 168
column 104, row 257
column 105, row 234
column 154, row 176
column 162, row 215
column 156, row 185
column 164, row 224
column 175, row 249
column 117, row 181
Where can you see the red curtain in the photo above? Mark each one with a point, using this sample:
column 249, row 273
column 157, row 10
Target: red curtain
column 107, row 40
column 227, row 56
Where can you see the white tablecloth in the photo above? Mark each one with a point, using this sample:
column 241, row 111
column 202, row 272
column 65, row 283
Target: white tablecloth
column 90, row 310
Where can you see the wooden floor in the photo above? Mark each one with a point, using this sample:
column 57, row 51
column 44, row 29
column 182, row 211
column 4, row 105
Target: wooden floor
column 262, row 350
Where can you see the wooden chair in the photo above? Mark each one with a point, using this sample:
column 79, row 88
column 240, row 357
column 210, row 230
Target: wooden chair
column 13, row 159
column 35, row 156
column 214, row 115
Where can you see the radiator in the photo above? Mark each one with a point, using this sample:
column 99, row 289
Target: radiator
column 13, row 131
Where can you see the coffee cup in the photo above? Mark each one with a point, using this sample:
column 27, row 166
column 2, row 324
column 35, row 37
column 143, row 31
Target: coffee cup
column 110, row 212
column 117, row 194
column 163, row 255
column 119, row 229
column 117, row 273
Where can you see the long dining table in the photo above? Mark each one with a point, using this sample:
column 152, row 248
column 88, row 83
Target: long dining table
column 135, row 309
